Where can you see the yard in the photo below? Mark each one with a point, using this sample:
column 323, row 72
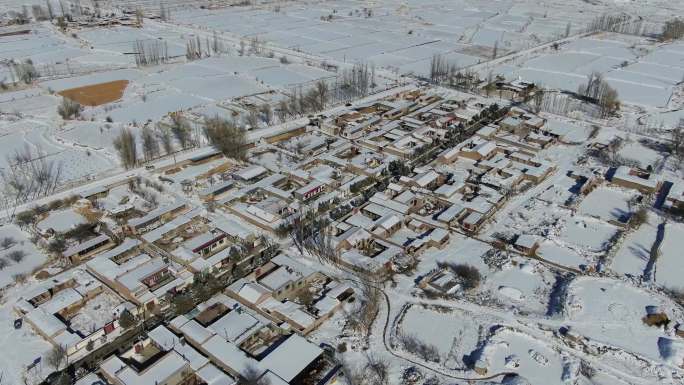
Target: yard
column 454, row 333
column 608, row 204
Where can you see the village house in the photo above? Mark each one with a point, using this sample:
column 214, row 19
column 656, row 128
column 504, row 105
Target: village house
column 442, row 281
column 57, row 311
column 84, row 250
column 527, row 244
column 635, row 179
column 360, row 250
column 285, row 290
column 675, row 197
column 309, row 191
column 478, row 150
column 238, row 340
column 214, row 191
column 436, row 237
column 250, row 174
column 155, row 218
column 144, row 280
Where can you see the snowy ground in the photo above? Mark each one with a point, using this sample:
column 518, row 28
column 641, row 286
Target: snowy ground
column 33, row 258
column 454, row 333
column 670, row 265
column 642, row 73
column 606, row 311
column 634, row 252
column 26, row 346
column 607, row 204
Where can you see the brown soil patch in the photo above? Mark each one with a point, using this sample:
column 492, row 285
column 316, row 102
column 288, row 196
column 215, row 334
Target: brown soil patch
column 97, row 94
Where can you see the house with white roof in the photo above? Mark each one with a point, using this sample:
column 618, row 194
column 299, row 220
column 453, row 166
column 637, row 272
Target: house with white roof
column 86, row 249
column 241, row 342
column 276, row 289
column 478, row 150
column 155, row 217
column 143, row 280
column 635, row 179
column 250, row 173
column 527, row 244
column 162, row 358
column 56, row 309
column 675, row 197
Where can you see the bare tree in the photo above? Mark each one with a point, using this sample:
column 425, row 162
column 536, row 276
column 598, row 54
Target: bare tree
column 16, row 255
column 139, row 17
column 378, row 368
column 362, row 319
column 150, row 52
column 283, row 110
column 7, row 242
column 193, row 49
column 241, row 50
column 25, row 71
column 253, row 118
column 56, row 357
column 673, row 29
column 180, row 128
column 538, row 99
column 253, row 376
column 50, row 12
column 322, row 93
column 226, row 137
column 439, row 68
column 354, row 82
column 69, row 109
column 28, row 175
column 266, row 113
column 598, row 90
column 165, row 139
column 217, row 44
column 352, row 374
column 423, row 350
column 164, row 13
column 149, row 143
column 255, row 45
column 309, row 233
column 677, row 141
column 125, row 145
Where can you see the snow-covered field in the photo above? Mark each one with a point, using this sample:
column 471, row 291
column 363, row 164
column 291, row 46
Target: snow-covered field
column 523, row 285
column 669, row 268
column 587, row 234
column 607, row 311
column 25, row 344
column 634, row 252
column 452, row 332
column 513, row 351
column 607, row 204
column 32, row 257
column 642, row 73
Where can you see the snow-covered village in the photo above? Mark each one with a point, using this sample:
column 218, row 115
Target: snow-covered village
column 341, row 192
